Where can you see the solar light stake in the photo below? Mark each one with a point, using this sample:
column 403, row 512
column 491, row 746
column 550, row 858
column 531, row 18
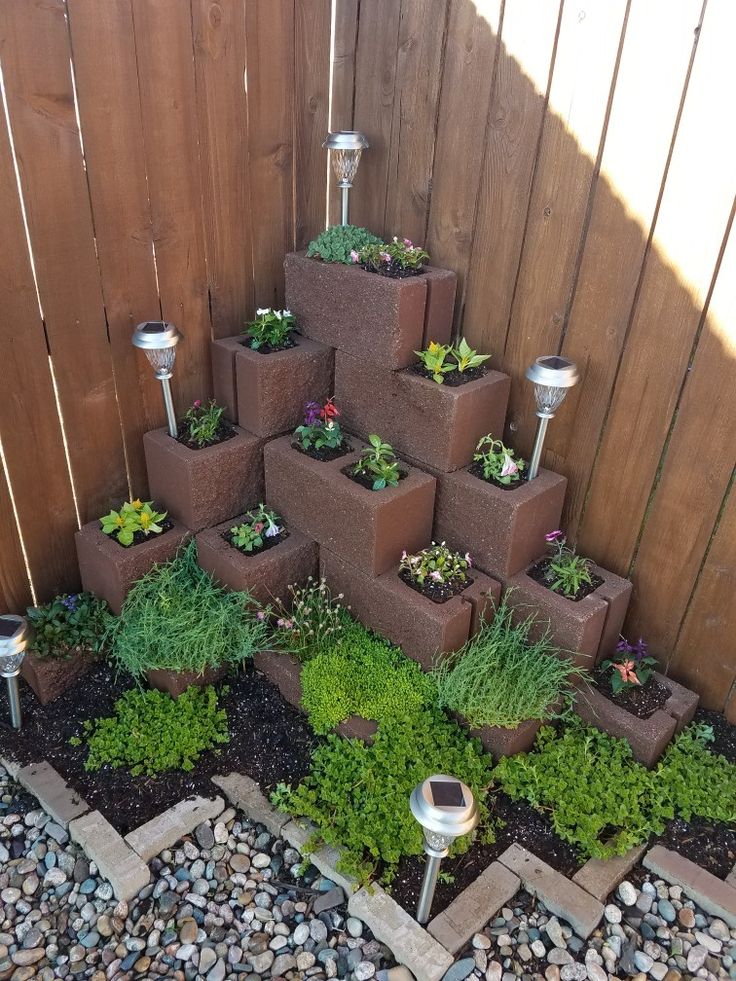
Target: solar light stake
column 13, row 642
column 552, row 376
column 445, row 808
column 158, row 340
column 346, row 147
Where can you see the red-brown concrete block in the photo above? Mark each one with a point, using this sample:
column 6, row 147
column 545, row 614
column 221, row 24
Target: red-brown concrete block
column 108, row 569
column 682, row 703
column 436, row 425
column 284, row 671
column 440, row 310
column 203, row 487
column 504, row 742
column 177, row 682
column 49, row 677
column 502, row 529
column 370, row 528
column 222, row 353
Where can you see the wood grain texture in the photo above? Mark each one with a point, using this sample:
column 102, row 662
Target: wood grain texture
column 343, row 87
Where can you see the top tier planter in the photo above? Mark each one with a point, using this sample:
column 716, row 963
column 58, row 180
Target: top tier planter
column 368, row 314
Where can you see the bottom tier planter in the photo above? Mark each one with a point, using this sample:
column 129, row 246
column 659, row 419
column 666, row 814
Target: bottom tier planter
column 423, row 629
column 50, row 676
column 504, row 742
column 177, row 682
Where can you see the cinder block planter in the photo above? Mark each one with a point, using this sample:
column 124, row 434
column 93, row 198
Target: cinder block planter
column 367, row 314
column 502, row 529
column 435, row 425
column 201, row 488
column 109, row 570
column 588, row 629
column 424, row 630
column 504, row 742
column 177, row 682
column 49, row 677
column 371, row 528
column 284, row 671
column 222, row 352
column 265, row 575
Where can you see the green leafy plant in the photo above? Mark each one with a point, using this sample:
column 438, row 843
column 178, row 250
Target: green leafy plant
column 311, row 620
column 399, row 257
column 497, row 461
column 362, row 674
column 202, row 423
column 435, row 360
column 695, row 781
column 437, row 563
column 357, row 794
column 151, row 732
column 336, row 243
column 378, row 463
column 320, row 429
column 632, row 668
column 260, row 525
column 502, row 676
column 74, row 620
column 466, row 358
column 566, row 571
column 133, row 517
column 270, row 329
column 176, row 618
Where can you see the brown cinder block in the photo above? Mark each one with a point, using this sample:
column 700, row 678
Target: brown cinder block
column 371, row 528
column 201, row 488
column 177, row 682
column 265, row 575
column 682, row 703
column 502, row 529
column 364, row 313
column 49, row 677
column 109, row 570
column 222, row 353
column 436, row 425
column 440, row 310
column 284, row 671
column 505, row 742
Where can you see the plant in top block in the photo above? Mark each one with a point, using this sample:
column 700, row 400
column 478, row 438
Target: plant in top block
column 467, row 361
column 134, row 522
column 451, row 364
column 204, row 425
column 628, row 679
column 320, row 434
column 68, row 624
column 564, row 571
column 270, row 331
column 336, row 243
column 437, row 572
column 261, row 529
column 311, row 620
column 434, row 361
column 396, row 259
column 377, row 467
column 496, row 463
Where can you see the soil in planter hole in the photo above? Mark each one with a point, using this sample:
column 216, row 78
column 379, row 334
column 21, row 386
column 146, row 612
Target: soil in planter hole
column 267, row 543
column 538, row 573
column 477, row 471
column 641, row 700
column 269, row 740
column 325, row 455
column 365, row 480
column 394, row 271
column 710, row 845
column 285, row 345
column 438, row 592
column 453, row 379
column 224, row 432
column 140, row 536
column 725, row 733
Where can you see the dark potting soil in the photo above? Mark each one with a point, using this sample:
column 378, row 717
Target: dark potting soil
column 285, row 345
column 538, row 573
column 267, row 543
column 710, row 845
column 325, row 455
column 641, row 700
column 365, row 480
column 514, row 820
column 453, row 379
column 393, row 271
column 477, row 471
column 724, row 742
column 269, row 740
column 438, row 592
column 140, row 536
column 225, row 431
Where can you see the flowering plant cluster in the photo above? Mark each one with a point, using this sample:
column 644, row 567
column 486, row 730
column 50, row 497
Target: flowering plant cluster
column 497, row 461
column 436, row 564
column 260, row 525
column 633, row 667
column 320, row 429
column 311, row 619
column 399, row 257
column 202, row 423
column 440, row 359
column 68, row 621
column 134, row 517
column 566, row 570
column 378, row 463
column 271, row 329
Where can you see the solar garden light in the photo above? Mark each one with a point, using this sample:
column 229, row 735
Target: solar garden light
column 158, row 340
column 346, row 147
column 13, row 642
column 552, row 376
column 445, row 808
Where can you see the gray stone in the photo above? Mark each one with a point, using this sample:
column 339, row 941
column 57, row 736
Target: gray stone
column 329, row 900
column 627, row 893
column 460, row 970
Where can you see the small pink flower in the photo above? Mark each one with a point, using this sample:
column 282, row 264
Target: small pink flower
column 280, row 622
column 436, row 575
column 552, row 536
column 354, row 257
column 509, row 467
column 403, row 556
column 468, row 559
column 408, row 242
column 288, row 624
column 260, row 615
column 385, row 256
column 197, row 403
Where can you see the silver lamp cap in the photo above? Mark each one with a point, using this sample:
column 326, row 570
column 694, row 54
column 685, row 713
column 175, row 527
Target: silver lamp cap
column 346, row 139
column 552, row 371
column 13, row 642
column 156, row 335
column 444, row 805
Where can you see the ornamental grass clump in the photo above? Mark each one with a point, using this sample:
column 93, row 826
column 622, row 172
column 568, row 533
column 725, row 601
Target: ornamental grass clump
column 502, row 677
column 176, row 618
column 69, row 622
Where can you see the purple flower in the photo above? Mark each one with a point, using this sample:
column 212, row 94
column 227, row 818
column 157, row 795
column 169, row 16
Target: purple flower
column 553, row 536
column 70, row 602
column 311, row 413
column 408, row 243
column 260, row 615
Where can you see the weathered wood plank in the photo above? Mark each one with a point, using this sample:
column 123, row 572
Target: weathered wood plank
column 343, row 86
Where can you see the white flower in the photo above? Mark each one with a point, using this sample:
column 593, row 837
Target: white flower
column 286, row 313
column 509, row 467
column 277, row 313
column 272, row 531
column 262, row 310
column 436, row 575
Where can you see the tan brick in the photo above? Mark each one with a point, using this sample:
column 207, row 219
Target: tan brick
column 54, row 794
column 712, row 894
column 167, row 828
column 245, row 793
column 474, row 907
column 600, row 877
column 116, row 860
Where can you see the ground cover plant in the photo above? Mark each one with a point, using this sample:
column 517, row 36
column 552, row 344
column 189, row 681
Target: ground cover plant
column 310, row 620
column 336, row 243
column 453, row 364
column 378, row 466
column 397, row 259
column 495, row 462
column 271, row 330
column 69, row 622
column 320, row 434
column 203, row 425
column 436, row 571
column 176, row 618
column 134, row 522
column 261, row 529
column 502, row 677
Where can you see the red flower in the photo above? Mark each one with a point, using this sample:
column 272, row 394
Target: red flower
column 627, row 670
column 329, row 411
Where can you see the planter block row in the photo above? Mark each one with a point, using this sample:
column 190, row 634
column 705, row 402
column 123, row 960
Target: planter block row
column 265, row 575
column 502, row 529
column 49, row 677
column 435, row 425
column 177, row 682
column 372, row 528
column 266, row 393
column 423, row 629
column 370, row 315
column 504, row 742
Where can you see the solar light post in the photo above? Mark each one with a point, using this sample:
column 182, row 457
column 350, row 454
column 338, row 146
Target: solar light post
column 445, row 808
column 13, row 642
column 552, row 376
column 158, row 339
column 346, row 147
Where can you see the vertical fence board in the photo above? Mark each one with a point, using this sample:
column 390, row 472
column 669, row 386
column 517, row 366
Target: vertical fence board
column 343, row 89
column 15, row 589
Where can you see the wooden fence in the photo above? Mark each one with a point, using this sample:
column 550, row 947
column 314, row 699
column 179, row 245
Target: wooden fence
column 573, row 162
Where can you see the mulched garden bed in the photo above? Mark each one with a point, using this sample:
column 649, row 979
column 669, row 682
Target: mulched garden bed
column 538, row 573
column 269, row 740
column 476, row 469
column 267, row 543
column 724, row 733
column 438, row 592
column 325, row 455
column 640, row 701
column 225, row 431
column 140, row 536
column 710, row 845
column 453, row 379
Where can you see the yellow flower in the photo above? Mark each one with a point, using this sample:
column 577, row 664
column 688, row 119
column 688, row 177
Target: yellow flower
column 145, row 520
column 137, row 503
column 433, row 346
column 120, row 521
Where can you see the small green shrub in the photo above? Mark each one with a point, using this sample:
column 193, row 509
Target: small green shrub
column 271, row 329
column 311, row 620
column 177, row 618
column 203, row 423
column 362, row 675
column 378, row 463
column 134, row 518
column 358, row 795
column 336, row 243
column 436, row 563
column 69, row 621
column 397, row 258
column 151, row 732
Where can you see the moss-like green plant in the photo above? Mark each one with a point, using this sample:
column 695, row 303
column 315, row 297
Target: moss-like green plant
column 695, row 781
column 151, row 732
column 176, row 618
column 501, row 677
column 362, row 675
column 336, row 243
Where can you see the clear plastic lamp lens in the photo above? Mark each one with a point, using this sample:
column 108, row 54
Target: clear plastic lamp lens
column 437, row 842
column 162, row 361
column 551, row 376
column 549, row 399
column 10, row 664
column 345, row 164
